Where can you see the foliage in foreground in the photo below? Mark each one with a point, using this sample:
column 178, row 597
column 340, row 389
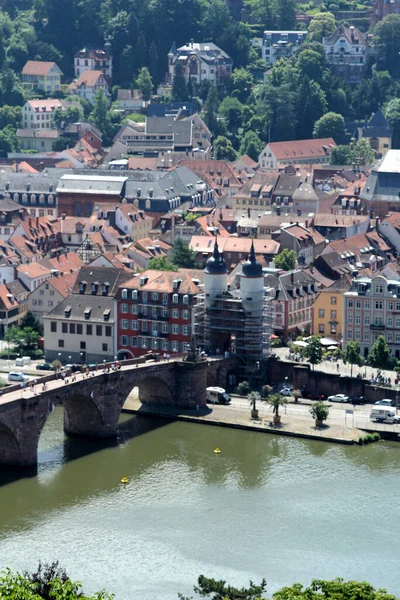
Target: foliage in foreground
column 51, row 582
column 338, row 589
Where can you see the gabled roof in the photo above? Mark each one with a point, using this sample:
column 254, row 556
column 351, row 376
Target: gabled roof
column 38, row 67
column 88, row 78
column 163, row 281
column 352, row 34
column 377, row 126
column 100, row 276
column 302, row 149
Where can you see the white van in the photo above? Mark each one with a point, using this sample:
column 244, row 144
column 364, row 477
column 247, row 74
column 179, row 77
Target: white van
column 383, row 413
column 217, row 395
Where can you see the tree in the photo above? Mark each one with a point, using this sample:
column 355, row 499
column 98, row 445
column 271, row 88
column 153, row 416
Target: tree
column 179, row 87
column 25, row 339
column 352, row 355
column 231, row 110
column 392, row 113
column 10, row 115
column 144, row 83
column 223, row 149
column 141, row 51
column 287, row 14
column 276, row 401
column 330, row 125
column 253, row 398
column 154, row 63
column 311, row 105
column 251, row 145
column 286, row 260
column 387, row 42
column 319, row 412
column 332, row 590
column 380, row 355
column 211, row 108
column 360, row 153
column 219, row 590
column 183, row 256
column 161, row 263
column 29, row 320
column 100, row 114
column 8, row 141
column 313, row 351
column 241, row 84
column 263, row 11
column 312, row 64
column 322, row 25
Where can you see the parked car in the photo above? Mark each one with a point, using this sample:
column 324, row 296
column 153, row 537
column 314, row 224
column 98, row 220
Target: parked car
column 358, row 400
column 285, row 391
column 44, row 367
column 313, row 396
column 386, row 402
column 338, row 398
column 18, row 377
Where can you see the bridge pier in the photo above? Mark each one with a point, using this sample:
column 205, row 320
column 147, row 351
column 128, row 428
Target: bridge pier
column 191, row 384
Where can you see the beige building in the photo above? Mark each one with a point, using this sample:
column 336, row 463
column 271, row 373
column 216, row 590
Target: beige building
column 40, row 75
column 49, row 294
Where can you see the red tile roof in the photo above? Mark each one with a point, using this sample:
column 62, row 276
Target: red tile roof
column 88, row 78
column 302, row 149
column 37, row 67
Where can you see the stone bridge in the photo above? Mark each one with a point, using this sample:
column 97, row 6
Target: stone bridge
column 92, row 404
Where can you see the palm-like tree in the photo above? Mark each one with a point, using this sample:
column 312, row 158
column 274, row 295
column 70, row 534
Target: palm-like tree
column 253, row 398
column 276, row 401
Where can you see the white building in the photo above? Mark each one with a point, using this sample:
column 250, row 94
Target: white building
column 38, row 114
column 200, row 62
column 347, row 53
column 280, row 44
column 40, row 75
column 279, row 154
column 94, row 60
column 88, row 84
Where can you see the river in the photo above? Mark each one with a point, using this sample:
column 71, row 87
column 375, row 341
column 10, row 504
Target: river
column 267, row 506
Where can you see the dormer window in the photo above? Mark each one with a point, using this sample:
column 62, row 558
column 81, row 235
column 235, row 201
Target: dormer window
column 134, row 295
column 175, row 298
column 186, row 299
column 124, row 294
column 95, row 287
column 82, row 287
column 105, row 288
column 87, row 312
column 67, row 312
column 106, row 314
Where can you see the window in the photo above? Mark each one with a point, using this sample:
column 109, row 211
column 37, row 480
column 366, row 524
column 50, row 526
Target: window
column 124, row 323
column 358, row 334
column 89, row 329
column 144, row 297
column 50, row 303
column 358, row 319
column 105, row 347
column 154, row 313
column 378, row 321
column 390, row 337
column 144, row 326
column 350, row 303
column 185, row 330
column 321, row 313
column 175, row 298
column 333, row 299
column 366, row 304
column 321, row 328
column 186, row 299
column 133, row 342
column 366, row 336
column 154, row 296
column 378, row 304
column 390, row 305
column 333, row 314
column 397, row 306
column 349, row 334
column 41, row 292
column 366, row 320
column 51, row 292
column 165, row 345
column 390, row 321
column 64, row 327
column 185, row 314
column 164, row 328
column 175, row 313
column 61, row 343
column 397, row 338
column 124, row 340
column 165, row 312
column 175, row 347
column 135, row 325
column 53, row 326
column 175, row 329
column 99, row 330
column 83, row 346
column 350, row 319
column 108, row 331
column 72, row 327
column 379, row 289
column 144, row 343
column 397, row 322
column 124, row 294
column 134, row 309
column 165, row 298
column 144, row 310
column 124, row 308
column 154, row 344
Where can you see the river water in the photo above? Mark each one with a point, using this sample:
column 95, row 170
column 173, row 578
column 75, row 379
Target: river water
column 267, row 506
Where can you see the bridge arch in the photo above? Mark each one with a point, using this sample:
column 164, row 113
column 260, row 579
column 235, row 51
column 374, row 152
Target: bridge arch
column 124, row 354
column 154, row 390
column 82, row 416
column 9, row 445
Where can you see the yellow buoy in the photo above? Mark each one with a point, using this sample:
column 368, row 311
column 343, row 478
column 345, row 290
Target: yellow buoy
column 124, row 480
column 217, row 451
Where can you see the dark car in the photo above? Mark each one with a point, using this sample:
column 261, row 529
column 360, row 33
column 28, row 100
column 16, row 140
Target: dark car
column 358, row 400
column 313, row 396
column 44, row 367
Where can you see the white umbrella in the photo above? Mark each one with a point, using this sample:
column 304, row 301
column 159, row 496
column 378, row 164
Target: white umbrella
column 332, row 347
column 300, row 343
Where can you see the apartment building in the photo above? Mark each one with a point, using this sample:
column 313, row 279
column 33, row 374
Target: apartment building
column 41, row 75
column 371, row 308
column 155, row 312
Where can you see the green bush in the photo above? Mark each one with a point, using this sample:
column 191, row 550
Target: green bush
column 243, row 388
column 369, row 438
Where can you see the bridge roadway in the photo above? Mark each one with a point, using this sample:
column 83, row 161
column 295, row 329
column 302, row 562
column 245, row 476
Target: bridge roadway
column 93, row 401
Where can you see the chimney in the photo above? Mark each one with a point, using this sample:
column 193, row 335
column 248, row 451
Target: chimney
column 63, row 216
column 292, row 278
column 248, row 212
column 37, row 222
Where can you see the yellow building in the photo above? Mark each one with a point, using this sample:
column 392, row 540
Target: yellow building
column 327, row 309
column 40, row 75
